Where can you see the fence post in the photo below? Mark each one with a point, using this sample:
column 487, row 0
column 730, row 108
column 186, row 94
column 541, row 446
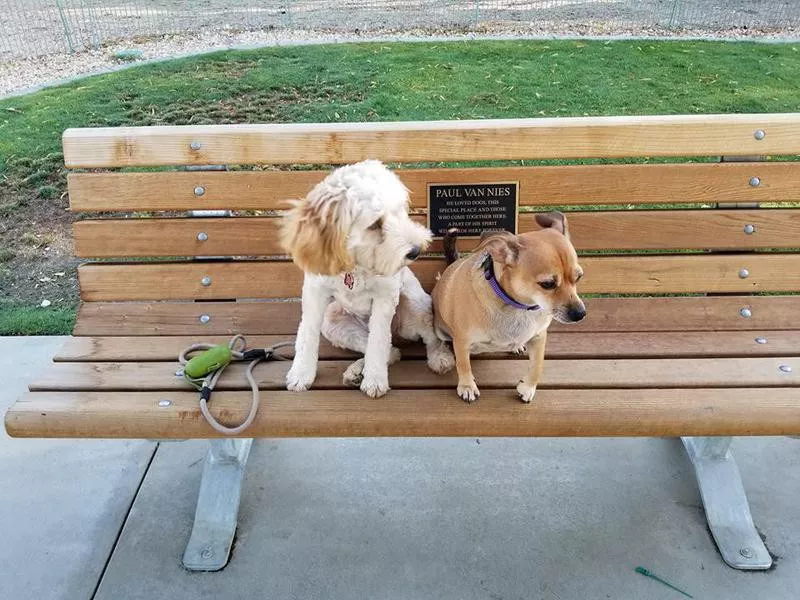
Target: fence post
column 65, row 23
column 477, row 12
column 288, row 12
column 673, row 14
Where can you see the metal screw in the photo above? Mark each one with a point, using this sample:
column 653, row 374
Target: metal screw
column 759, row 134
column 744, row 273
column 199, row 190
column 755, row 182
column 207, row 553
column 165, row 402
column 746, row 552
column 749, row 229
column 204, row 319
column 202, row 236
column 746, row 313
column 761, row 340
column 197, row 145
column 206, row 281
column 785, row 368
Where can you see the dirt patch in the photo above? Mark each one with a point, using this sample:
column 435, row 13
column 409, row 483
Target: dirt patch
column 258, row 106
column 37, row 262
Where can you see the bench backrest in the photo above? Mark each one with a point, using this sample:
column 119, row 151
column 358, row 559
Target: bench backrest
column 175, row 272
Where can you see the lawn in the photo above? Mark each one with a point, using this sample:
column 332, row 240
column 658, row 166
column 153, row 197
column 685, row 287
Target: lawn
column 353, row 82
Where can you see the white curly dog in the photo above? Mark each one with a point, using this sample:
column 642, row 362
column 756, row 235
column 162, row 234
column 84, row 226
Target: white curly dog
column 354, row 239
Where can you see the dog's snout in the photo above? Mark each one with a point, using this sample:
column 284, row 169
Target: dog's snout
column 413, row 254
column 576, row 313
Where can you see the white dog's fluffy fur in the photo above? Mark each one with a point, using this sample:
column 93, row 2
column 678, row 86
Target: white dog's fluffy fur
column 353, row 238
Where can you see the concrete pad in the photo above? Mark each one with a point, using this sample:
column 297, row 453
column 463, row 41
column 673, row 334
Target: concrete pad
column 460, row 518
column 63, row 502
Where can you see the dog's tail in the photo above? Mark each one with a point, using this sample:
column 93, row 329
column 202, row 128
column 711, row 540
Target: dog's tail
column 450, row 251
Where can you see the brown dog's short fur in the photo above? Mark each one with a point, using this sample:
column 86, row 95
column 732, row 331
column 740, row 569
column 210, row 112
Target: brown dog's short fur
column 468, row 312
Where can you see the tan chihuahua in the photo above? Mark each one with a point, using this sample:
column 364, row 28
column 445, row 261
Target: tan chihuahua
column 504, row 296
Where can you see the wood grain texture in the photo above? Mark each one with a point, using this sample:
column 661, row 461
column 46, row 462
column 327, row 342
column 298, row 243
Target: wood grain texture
column 691, row 229
column 686, row 344
column 280, row 279
column 538, row 185
column 504, row 139
column 652, row 412
column 694, row 313
column 413, row 374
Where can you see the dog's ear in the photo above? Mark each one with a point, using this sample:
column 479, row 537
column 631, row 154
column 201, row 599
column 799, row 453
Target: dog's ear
column 314, row 235
column 553, row 220
column 502, row 246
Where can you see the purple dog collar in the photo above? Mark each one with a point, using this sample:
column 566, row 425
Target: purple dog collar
column 488, row 273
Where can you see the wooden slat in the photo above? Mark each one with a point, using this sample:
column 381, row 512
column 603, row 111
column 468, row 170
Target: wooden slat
column 177, row 237
column 693, row 229
column 654, row 412
column 282, row 318
column 413, row 374
column 244, row 190
column 279, row 279
column 551, row 186
column 686, row 344
column 506, row 139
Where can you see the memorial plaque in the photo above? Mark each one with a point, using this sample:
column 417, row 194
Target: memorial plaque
column 472, row 208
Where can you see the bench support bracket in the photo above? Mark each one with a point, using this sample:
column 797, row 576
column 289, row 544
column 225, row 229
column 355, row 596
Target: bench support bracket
column 217, row 505
column 725, row 503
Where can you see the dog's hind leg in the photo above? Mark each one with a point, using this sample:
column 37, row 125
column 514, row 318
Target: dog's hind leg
column 440, row 358
column 414, row 321
column 345, row 330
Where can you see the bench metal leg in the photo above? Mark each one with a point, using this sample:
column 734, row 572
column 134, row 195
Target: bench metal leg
column 217, row 505
column 725, row 503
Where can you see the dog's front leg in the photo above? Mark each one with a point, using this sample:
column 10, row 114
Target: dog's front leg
column 379, row 345
column 467, row 388
column 527, row 387
column 306, row 347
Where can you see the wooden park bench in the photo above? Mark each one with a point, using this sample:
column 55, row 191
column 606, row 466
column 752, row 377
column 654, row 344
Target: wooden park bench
column 692, row 328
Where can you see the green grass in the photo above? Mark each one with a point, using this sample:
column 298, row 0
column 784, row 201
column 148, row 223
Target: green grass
column 424, row 81
column 26, row 320
column 371, row 82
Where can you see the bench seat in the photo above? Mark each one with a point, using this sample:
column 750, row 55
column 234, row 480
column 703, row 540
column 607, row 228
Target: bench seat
column 600, row 384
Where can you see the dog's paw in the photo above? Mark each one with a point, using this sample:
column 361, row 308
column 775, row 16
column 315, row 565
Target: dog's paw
column 354, row 374
column 469, row 392
column 375, row 387
column 526, row 391
column 299, row 379
column 394, row 355
column 441, row 360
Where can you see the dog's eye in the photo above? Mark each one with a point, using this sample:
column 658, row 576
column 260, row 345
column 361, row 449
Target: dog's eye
column 377, row 225
column 578, row 277
column 550, row 284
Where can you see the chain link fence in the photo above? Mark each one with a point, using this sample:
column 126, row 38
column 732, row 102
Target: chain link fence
column 39, row 27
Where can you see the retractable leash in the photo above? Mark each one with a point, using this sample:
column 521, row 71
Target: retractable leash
column 204, row 370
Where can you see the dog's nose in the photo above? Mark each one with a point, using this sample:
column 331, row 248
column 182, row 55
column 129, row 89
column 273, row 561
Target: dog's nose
column 576, row 313
column 413, row 254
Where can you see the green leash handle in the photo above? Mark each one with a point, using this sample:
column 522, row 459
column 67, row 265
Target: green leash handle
column 208, row 361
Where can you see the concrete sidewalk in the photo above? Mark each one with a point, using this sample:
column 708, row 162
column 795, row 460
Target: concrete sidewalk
column 400, row 519
column 63, row 502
